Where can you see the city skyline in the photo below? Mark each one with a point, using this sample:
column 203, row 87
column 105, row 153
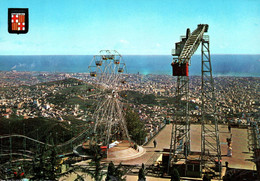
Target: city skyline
column 131, row 27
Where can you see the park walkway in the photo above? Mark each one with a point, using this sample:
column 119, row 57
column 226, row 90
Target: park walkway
column 163, row 139
column 240, row 156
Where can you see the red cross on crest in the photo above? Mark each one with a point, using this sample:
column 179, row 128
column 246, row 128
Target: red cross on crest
column 14, row 18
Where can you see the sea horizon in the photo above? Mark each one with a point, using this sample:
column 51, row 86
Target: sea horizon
column 240, row 65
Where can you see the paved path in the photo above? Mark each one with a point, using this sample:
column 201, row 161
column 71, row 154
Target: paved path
column 163, row 140
column 240, row 155
column 239, row 158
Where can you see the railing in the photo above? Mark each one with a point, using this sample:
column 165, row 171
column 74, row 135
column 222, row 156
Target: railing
column 66, row 147
column 253, row 136
column 182, row 37
column 206, row 37
column 149, row 137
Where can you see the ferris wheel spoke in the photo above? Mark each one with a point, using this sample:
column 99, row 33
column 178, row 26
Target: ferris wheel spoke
column 122, row 119
column 109, row 121
column 107, row 68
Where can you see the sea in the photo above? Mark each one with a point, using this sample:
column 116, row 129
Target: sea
column 222, row 65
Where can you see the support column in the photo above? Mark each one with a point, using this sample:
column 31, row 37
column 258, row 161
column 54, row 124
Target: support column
column 180, row 136
column 210, row 145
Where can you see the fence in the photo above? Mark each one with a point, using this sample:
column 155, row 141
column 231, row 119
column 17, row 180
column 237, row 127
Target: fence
column 149, row 137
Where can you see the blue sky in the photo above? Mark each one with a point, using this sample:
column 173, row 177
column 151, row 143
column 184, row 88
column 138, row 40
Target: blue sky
column 83, row 27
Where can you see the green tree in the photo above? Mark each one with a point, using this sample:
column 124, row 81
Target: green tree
column 135, row 126
column 95, row 167
column 149, row 99
column 110, row 171
column 141, row 175
column 45, row 163
column 175, row 176
column 115, row 173
column 206, row 177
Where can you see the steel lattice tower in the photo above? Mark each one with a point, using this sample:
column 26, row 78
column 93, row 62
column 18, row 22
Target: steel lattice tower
column 180, row 136
column 210, row 145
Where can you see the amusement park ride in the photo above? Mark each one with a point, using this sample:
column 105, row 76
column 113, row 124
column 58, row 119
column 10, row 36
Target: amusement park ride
column 180, row 136
column 106, row 69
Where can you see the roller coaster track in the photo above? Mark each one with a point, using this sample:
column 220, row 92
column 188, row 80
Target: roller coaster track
column 34, row 140
column 17, row 154
column 22, row 136
column 27, row 153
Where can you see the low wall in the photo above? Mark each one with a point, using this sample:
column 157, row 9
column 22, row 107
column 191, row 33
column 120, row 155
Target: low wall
column 151, row 136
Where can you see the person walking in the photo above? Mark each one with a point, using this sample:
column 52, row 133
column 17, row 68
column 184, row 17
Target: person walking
column 229, row 127
column 154, row 143
column 185, row 150
column 229, row 151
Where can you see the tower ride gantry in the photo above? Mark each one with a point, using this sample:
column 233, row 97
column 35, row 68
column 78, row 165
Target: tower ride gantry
column 180, row 136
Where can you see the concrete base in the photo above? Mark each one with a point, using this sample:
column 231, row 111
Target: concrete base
column 123, row 152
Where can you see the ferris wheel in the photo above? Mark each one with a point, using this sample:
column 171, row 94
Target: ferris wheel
column 107, row 69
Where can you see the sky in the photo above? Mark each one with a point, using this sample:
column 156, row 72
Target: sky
column 132, row 27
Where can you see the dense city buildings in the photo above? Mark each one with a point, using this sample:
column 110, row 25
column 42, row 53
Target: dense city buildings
column 65, row 95
column 63, row 104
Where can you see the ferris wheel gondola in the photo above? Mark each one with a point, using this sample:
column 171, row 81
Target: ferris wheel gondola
column 107, row 66
column 92, row 71
column 98, row 63
column 121, row 68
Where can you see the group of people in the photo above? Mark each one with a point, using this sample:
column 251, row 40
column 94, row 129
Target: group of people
column 229, row 148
